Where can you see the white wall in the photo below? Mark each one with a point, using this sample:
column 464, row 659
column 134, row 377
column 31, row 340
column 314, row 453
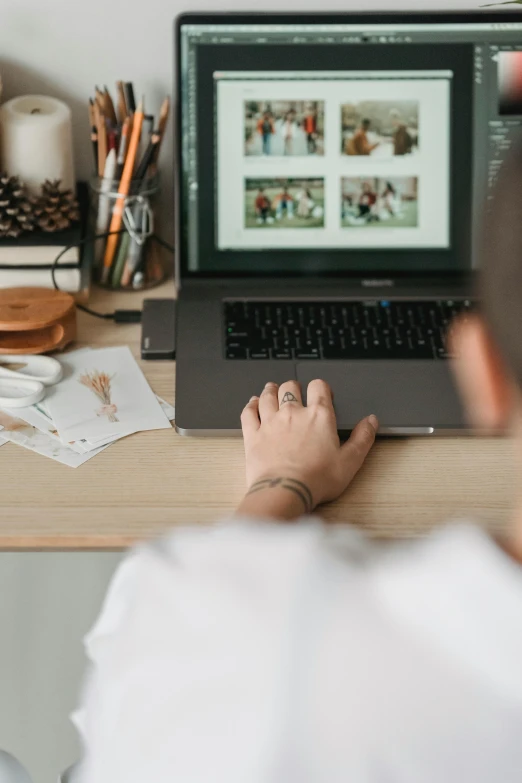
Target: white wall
column 48, row 602
column 64, row 47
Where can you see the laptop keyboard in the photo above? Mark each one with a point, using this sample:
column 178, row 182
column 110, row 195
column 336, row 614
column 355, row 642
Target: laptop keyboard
column 377, row 329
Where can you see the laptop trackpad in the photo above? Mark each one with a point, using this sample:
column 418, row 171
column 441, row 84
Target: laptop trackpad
column 405, row 394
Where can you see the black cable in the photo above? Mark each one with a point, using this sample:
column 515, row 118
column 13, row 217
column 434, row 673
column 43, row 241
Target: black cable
column 119, row 316
column 162, row 242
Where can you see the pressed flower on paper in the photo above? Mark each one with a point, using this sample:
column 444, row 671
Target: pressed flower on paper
column 12, row 424
column 100, row 385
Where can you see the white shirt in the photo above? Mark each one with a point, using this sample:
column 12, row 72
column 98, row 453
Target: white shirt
column 257, row 652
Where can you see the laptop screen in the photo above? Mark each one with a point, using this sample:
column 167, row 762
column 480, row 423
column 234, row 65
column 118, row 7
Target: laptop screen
column 315, row 147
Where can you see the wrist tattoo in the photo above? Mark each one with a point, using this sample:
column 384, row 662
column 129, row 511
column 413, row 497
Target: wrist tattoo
column 299, row 488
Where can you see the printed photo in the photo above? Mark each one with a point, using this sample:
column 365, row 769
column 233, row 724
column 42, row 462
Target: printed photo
column 379, row 202
column 284, row 128
column 382, row 129
column 284, row 203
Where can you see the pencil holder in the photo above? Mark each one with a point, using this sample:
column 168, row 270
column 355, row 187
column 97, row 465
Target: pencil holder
column 129, row 258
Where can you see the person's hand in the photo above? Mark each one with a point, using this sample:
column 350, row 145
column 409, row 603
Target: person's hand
column 295, row 451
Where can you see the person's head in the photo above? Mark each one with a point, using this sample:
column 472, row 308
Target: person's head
column 489, row 343
column 261, row 191
column 285, row 189
column 367, row 188
column 365, row 124
column 395, row 118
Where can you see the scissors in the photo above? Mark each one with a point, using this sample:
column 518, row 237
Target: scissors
column 26, row 385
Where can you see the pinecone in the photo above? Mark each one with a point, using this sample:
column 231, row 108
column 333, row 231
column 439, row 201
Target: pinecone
column 16, row 208
column 55, row 209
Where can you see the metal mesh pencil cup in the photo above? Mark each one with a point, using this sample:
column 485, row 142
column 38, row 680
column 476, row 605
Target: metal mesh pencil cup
column 129, row 260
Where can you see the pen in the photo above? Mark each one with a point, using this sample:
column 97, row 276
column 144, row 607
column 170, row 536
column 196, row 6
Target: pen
column 148, row 156
column 104, row 206
column 111, row 139
column 122, row 149
column 129, row 97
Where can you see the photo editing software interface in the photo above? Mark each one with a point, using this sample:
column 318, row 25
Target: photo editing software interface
column 342, row 139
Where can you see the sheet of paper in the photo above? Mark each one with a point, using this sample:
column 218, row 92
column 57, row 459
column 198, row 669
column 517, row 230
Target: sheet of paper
column 167, row 409
column 39, row 417
column 36, row 416
column 103, row 393
column 18, row 431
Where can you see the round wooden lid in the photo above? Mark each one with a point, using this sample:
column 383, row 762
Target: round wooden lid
column 24, row 309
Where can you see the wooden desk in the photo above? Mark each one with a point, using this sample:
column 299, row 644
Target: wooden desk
column 143, row 484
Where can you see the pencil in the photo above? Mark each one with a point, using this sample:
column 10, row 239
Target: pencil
column 99, row 99
column 123, row 190
column 109, row 107
column 102, row 138
column 122, row 106
column 94, row 132
column 163, row 118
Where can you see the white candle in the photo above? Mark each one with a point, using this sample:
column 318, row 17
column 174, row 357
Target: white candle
column 36, row 141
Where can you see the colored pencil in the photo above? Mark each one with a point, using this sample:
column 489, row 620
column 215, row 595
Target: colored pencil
column 119, row 261
column 123, row 190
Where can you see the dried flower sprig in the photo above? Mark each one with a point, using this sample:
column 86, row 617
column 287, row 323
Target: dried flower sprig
column 12, row 424
column 100, row 384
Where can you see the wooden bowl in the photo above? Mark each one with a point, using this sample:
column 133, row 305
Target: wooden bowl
column 36, row 320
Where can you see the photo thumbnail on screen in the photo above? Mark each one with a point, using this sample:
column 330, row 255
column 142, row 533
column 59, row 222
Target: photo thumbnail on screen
column 379, row 202
column 276, row 128
column 284, row 203
column 382, row 129
column 510, row 83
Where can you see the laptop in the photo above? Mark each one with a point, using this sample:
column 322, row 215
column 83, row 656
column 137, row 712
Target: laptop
column 331, row 171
